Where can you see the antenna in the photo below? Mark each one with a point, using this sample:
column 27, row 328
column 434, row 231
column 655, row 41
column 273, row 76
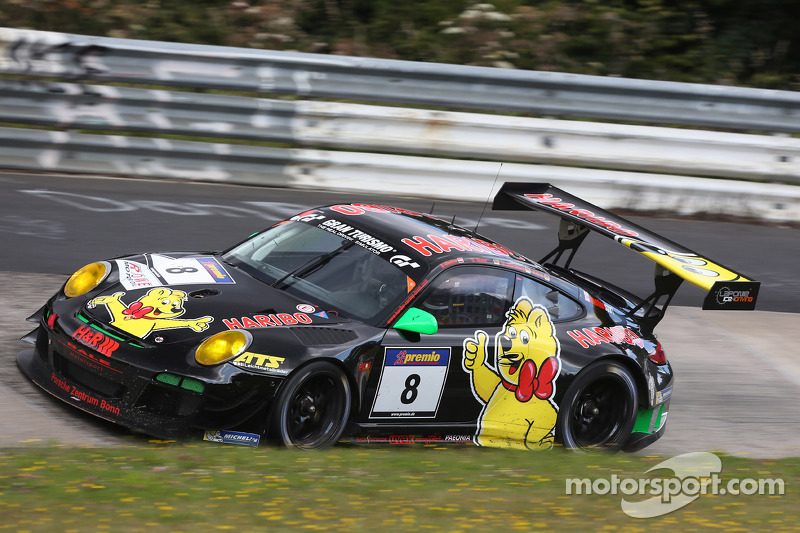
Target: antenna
column 487, row 199
column 433, row 204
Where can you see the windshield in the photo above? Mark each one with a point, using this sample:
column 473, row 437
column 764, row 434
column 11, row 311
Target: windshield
column 317, row 265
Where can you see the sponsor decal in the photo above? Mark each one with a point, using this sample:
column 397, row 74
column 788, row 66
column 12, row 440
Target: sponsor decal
column 517, row 391
column 403, row 261
column 440, row 244
column 735, row 295
column 94, row 339
column 306, row 308
column 728, row 296
column 588, row 337
column 257, row 361
column 688, row 265
column 398, row 440
column 215, row 269
column 232, row 437
column 411, row 383
column 553, row 202
column 359, row 209
column 159, row 309
column 361, row 238
column 267, row 321
column 322, row 314
column 458, row 438
column 133, row 275
column 77, row 394
column 98, row 363
column 404, row 357
column 308, row 216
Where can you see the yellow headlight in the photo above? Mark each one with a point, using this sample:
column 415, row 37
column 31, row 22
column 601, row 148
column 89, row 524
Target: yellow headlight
column 222, row 347
column 86, row 278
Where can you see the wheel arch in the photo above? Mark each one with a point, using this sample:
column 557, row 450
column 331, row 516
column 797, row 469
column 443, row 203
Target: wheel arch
column 636, row 371
column 355, row 399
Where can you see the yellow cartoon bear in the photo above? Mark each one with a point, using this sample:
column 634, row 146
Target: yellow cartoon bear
column 157, row 310
column 519, row 411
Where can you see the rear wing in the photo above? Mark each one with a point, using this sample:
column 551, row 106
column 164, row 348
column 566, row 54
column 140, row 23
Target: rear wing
column 725, row 288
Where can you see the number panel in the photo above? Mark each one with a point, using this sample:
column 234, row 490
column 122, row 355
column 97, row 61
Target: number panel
column 411, row 383
column 189, row 270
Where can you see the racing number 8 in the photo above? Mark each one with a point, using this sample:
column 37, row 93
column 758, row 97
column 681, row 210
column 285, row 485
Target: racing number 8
column 411, row 382
column 409, row 394
column 181, row 270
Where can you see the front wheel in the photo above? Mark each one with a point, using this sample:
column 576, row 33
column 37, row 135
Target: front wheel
column 312, row 408
column 599, row 408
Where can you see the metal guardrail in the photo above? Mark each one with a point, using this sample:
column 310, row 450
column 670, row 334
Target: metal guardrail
column 398, row 130
column 34, row 53
column 56, row 151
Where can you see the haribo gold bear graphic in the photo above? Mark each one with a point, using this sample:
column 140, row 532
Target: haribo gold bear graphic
column 157, row 310
column 517, row 393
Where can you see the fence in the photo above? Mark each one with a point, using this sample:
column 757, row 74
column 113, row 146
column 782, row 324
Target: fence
column 61, row 81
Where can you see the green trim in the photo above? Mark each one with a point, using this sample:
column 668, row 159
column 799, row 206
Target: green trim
column 192, row 385
column 659, row 419
column 643, row 420
column 82, row 318
column 169, row 379
column 183, row 382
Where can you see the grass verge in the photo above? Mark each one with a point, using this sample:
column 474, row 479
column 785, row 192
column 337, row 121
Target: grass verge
column 181, row 487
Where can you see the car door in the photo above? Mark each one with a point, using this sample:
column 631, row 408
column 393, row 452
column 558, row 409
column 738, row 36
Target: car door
column 421, row 380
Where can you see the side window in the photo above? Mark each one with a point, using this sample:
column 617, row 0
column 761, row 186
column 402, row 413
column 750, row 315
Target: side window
column 469, row 296
column 560, row 306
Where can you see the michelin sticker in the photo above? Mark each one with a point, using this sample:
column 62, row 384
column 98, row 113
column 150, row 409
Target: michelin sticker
column 163, row 270
column 232, row 437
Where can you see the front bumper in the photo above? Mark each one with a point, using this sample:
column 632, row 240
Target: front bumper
column 136, row 397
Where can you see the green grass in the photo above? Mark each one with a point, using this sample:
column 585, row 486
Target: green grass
column 185, row 487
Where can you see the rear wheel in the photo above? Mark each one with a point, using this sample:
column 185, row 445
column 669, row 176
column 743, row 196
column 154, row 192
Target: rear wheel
column 599, row 408
column 312, row 408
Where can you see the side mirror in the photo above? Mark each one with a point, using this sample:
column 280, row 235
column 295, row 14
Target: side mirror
column 417, row 321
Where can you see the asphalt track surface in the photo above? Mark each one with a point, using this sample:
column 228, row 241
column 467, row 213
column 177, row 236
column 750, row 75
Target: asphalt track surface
column 738, row 374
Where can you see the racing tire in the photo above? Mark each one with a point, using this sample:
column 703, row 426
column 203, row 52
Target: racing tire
column 599, row 408
column 312, row 408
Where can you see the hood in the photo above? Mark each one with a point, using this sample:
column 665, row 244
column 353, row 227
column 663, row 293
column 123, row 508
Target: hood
column 186, row 296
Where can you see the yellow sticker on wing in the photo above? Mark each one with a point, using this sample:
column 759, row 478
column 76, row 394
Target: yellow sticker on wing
column 691, row 267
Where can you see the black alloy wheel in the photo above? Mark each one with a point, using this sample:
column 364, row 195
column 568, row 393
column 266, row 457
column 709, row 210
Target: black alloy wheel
column 599, row 408
column 312, row 408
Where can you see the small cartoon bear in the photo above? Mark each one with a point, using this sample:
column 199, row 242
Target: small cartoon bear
column 519, row 411
column 157, row 310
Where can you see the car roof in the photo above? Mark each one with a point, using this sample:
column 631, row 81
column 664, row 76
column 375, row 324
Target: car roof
column 420, row 235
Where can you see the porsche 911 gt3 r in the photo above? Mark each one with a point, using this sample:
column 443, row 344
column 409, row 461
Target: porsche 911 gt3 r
column 373, row 324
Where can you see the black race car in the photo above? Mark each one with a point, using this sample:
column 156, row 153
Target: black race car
column 373, row 324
